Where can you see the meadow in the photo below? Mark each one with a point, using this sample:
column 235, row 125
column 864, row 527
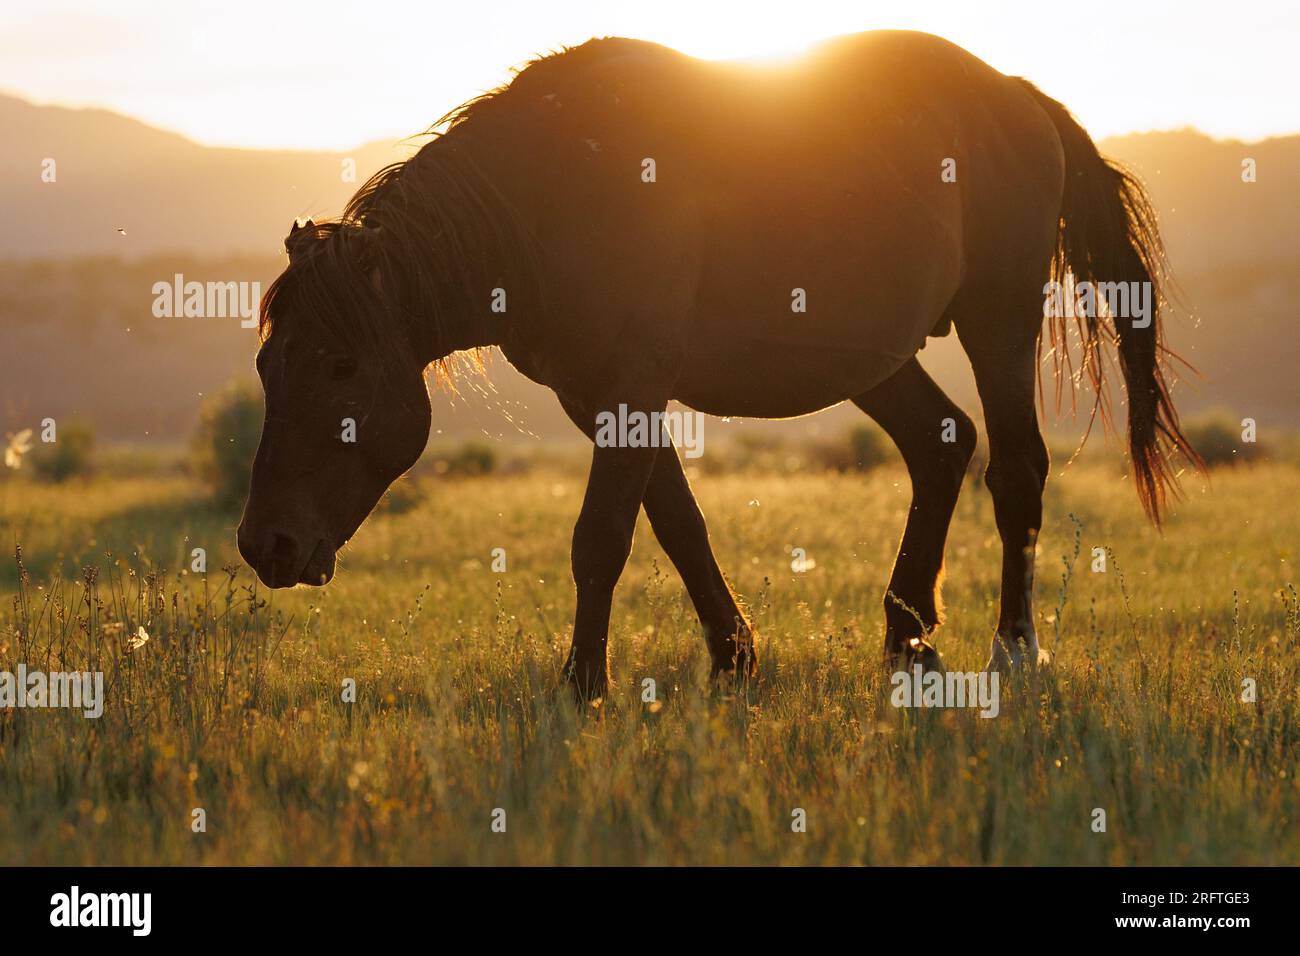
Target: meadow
column 234, row 703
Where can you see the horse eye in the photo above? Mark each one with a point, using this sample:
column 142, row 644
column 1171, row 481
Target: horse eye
column 344, row 368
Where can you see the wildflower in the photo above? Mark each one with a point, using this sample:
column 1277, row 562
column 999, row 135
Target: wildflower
column 18, row 446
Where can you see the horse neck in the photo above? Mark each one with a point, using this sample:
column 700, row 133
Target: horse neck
column 461, row 328
column 476, row 253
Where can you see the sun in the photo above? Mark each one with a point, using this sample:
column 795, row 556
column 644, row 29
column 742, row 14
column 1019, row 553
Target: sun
column 752, row 39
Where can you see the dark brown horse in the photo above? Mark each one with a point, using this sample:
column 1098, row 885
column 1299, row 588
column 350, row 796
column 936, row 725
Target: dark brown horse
column 630, row 225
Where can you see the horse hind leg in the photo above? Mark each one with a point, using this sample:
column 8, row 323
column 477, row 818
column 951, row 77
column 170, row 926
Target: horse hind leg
column 1016, row 477
column 937, row 440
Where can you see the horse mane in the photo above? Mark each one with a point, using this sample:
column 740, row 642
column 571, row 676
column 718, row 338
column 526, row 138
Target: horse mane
column 435, row 230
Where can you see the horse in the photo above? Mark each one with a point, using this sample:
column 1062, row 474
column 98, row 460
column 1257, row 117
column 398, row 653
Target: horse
column 628, row 225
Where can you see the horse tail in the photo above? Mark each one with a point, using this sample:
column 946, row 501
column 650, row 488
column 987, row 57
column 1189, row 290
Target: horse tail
column 1109, row 237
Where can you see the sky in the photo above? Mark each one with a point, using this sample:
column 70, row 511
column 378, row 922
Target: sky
column 330, row 74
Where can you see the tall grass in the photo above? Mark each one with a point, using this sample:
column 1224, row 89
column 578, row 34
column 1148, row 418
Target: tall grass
column 235, row 703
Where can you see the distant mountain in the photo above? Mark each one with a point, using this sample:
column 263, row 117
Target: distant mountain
column 1210, row 217
column 169, row 194
column 1235, row 250
column 77, row 335
column 172, row 195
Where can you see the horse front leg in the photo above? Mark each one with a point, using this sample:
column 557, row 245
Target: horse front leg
column 602, row 541
column 679, row 525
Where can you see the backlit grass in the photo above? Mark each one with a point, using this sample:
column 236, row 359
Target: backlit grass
column 234, row 704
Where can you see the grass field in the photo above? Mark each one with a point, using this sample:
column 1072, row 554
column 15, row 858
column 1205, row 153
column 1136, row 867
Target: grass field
column 234, row 703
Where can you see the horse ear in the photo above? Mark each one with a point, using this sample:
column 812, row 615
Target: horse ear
column 299, row 232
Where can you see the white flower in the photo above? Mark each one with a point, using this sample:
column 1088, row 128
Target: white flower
column 18, row 446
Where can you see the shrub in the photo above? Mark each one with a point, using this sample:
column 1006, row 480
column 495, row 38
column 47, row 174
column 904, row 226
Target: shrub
column 470, row 458
column 68, row 455
column 225, row 441
column 402, row 496
column 1216, row 436
column 866, row 447
column 869, row 447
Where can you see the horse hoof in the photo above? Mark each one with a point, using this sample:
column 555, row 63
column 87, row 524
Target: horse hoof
column 586, row 698
column 588, row 685
column 733, row 676
column 916, row 651
column 1009, row 656
column 741, row 664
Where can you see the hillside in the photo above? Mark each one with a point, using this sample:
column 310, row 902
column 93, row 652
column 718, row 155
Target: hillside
column 169, row 194
column 77, row 336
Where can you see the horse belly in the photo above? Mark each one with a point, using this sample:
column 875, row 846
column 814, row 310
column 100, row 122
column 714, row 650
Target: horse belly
column 805, row 306
column 751, row 380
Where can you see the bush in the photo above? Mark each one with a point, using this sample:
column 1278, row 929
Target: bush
column 68, row 455
column 402, row 496
column 869, row 447
column 866, row 447
column 225, row 441
column 470, row 458
column 1216, row 436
